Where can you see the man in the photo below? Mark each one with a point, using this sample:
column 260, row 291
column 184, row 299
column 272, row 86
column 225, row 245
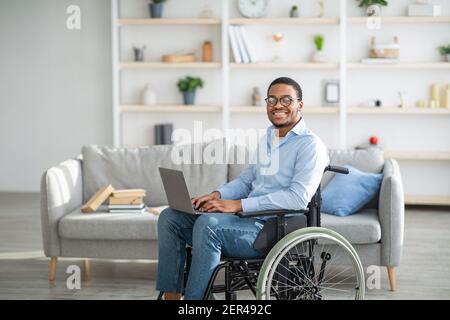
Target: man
column 302, row 160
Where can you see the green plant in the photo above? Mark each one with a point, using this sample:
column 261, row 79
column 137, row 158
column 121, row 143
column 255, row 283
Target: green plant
column 189, row 84
column 444, row 50
column 158, row 1
column 294, row 8
column 366, row 3
column 318, row 40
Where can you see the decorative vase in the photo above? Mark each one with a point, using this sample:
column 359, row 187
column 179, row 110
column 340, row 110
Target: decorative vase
column 156, row 10
column 207, row 51
column 318, row 56
column 148, row 96
column 207, row 12
column 139, row 53
column 321, row 8
column 256, row 97
column 373, row 11
column 188, row 97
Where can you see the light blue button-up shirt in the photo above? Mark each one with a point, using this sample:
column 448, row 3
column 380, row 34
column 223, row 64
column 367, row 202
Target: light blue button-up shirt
column 285, row 176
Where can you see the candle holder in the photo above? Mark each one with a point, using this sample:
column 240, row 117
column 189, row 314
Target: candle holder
column 277, row 41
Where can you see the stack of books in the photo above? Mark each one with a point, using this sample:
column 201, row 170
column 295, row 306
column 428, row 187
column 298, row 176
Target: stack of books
column 242, row 48
column 127, row 201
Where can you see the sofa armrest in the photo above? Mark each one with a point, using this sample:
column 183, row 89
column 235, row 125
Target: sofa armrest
column 61, row 193
column 392, row 214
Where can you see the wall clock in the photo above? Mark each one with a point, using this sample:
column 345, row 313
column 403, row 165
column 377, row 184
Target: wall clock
column 253, row 8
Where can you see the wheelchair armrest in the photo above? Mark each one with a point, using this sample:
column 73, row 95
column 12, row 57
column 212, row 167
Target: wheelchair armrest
column 253, row 214
column 337, row 169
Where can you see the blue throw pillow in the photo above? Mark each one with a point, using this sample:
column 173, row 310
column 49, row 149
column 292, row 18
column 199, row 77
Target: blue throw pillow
column 345, row 194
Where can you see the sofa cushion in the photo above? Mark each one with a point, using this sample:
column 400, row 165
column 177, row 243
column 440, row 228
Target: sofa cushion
column 367, row 160
column 102, row 225
column 347, row 194
column 361, row 228
column 132, row 168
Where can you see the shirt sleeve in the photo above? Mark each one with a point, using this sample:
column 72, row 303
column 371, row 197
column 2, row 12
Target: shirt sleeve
column 240, row 187
column 308, row 172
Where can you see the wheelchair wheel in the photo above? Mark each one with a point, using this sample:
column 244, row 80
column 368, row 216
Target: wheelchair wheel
column 311, row 264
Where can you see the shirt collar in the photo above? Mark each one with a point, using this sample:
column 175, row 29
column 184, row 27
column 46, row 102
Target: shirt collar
column 298, row 129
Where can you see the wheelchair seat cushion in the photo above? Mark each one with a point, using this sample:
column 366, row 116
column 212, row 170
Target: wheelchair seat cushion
column 346, row 194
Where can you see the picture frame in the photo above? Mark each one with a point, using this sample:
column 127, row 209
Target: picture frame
column 331, row 92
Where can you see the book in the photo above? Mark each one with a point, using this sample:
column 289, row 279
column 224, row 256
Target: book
column 234, row 45
column 129, row 193
column 167, row 133
column 158, row 134
column 248, row 45
column 126, row 206
column 126, row 200
column 241, row 45
column 128, row 210
column 163, row 133
column 97, row 199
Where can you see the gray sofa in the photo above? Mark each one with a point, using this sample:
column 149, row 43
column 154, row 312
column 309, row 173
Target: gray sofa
column 376, row 232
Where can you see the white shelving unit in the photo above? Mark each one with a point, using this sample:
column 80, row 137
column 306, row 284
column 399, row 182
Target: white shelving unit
column 226, row 67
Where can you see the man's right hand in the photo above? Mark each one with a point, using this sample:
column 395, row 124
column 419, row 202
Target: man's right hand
column 198, row 202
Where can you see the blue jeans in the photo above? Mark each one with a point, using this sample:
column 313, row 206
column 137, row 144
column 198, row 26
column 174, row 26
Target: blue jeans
column 210, row 235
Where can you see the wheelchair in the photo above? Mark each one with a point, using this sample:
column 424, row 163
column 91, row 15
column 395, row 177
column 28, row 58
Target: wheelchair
column 300, row 260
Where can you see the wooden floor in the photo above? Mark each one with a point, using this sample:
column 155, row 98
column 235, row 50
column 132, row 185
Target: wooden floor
column 423, row 274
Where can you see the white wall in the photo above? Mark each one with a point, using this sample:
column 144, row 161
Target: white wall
column 55, row 86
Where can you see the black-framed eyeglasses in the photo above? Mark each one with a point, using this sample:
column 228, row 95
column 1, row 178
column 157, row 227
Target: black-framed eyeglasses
column 285, row 101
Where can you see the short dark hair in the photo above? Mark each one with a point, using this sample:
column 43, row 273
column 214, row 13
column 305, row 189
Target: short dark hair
column 291, row 82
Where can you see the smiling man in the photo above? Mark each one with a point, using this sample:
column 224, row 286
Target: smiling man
column 302, row 159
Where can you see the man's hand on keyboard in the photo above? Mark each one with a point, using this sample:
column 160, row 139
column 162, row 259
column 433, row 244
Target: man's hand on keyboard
column 198, row 202
column 227, row 206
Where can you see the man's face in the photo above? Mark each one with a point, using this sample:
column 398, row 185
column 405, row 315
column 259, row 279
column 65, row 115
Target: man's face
column 286, row 111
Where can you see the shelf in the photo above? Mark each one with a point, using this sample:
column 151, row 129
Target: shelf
column 291, row 21
column 427, row 200
column 273, row 65
column 400, row 65
column 170, row 108
column 306, row 110
column 169, row 65
column 395, row 110
column 166, row 21
column 417, row 155
column 404, row 19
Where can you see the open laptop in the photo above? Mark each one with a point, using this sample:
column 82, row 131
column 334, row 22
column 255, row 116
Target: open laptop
column 176, row 190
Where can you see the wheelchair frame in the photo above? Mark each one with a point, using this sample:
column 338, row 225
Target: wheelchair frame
column 242, row 274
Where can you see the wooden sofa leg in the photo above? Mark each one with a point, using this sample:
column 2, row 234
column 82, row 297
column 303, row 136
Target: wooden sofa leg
column 392, row 279
column 86, row 269
column 52, row 272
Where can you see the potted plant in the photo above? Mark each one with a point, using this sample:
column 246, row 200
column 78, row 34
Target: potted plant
column 372, row 7
column 188, row 87
column 445, row 51
column 156, row 8
column 318, row 55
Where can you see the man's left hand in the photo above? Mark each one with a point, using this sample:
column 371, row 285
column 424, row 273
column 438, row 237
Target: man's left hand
column 220, row 205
